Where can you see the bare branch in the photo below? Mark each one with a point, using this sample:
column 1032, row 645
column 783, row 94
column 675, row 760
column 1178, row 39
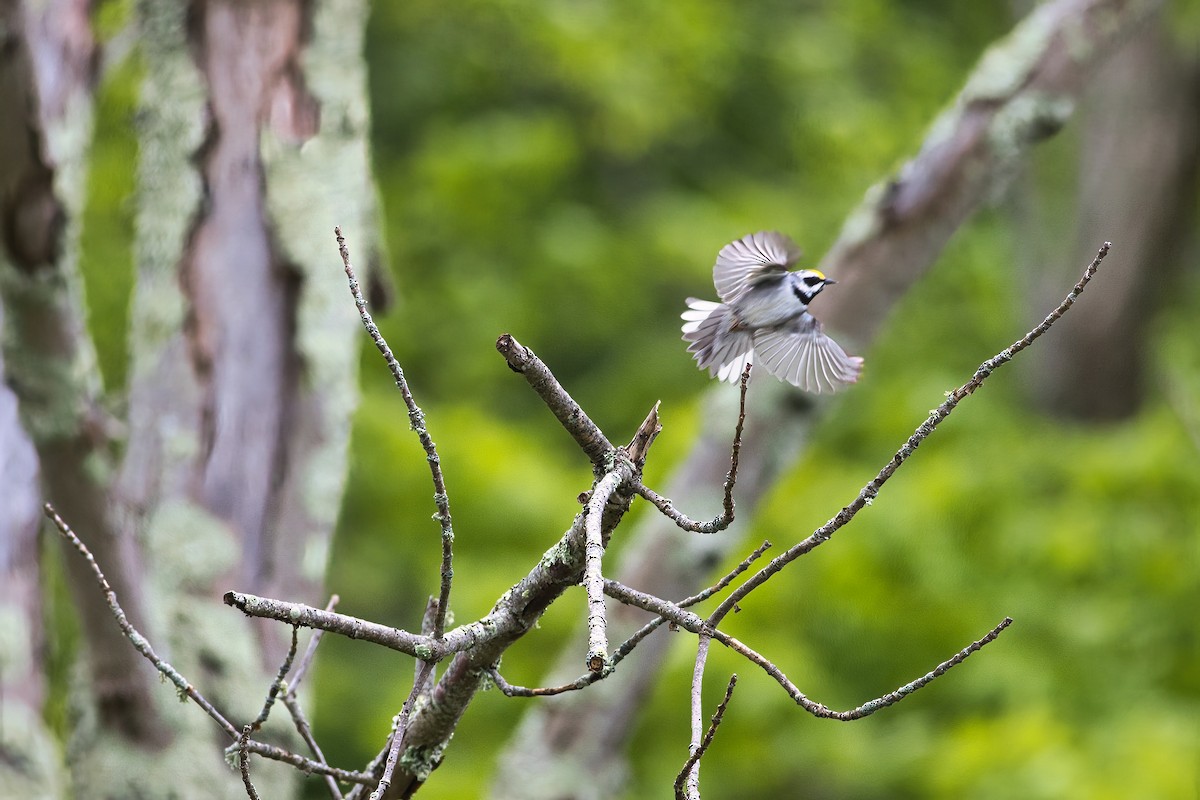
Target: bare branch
column 401, row 727
column 416, row 419
column 687, row 783
column 626, row 647
column 244, row 761
column 311, row 651
column 871, row 490
column 695, row 624
column 185, row 689
column 140, row 643
column 307, row 765
column 593, row 578
column 723, row 520
column 300, row 720
column 587, row 435
column 277, row 684
column 350, row 627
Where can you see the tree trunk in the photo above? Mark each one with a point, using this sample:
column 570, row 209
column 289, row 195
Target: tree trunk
column 244, row 349
column 1137, row 188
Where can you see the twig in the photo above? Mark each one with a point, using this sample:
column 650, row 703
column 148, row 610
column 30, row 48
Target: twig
column 724, row 519
column 871, row 706
column 696, row 624
column 244, row 761
column 416, row 419
column 587, row 435
column 276, row 684
column 140, row 643
column 299, row 718
column 342, row 624
column 593, row 578
column 401, row 727
column 311, row 651
column 687, row 783
column 307, row 765
column 871, row 490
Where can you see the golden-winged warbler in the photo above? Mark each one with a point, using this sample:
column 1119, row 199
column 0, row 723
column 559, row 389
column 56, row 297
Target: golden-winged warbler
column 763, row 316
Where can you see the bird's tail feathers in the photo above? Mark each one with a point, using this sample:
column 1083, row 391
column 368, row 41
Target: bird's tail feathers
column 714, row 341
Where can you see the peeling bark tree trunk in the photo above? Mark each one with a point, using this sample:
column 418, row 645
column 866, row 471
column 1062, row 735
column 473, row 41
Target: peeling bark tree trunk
column 46, row 78
column 252, row 141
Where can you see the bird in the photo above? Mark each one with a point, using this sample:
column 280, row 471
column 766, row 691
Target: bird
column 763, row 316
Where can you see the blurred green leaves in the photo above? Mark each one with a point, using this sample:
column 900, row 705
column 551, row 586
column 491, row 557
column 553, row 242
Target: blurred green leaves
column 567, row 173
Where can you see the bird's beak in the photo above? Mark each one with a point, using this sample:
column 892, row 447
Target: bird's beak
column 830, row 281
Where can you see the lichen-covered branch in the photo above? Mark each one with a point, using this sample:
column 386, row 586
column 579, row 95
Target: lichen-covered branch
column 416, row 419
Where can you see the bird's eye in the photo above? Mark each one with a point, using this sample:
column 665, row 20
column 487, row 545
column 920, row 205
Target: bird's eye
column 812, row 280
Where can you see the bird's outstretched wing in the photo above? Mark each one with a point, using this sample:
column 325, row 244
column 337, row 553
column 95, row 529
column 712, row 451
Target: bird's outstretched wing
column 801, row 354
column 753, row 258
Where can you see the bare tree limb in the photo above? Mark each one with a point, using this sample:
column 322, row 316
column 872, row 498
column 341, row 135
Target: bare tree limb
column 182, row 685
column 626, row 647
column 698, row 625
column 593, row 578
column 139, row 642
column 687, row 783
column 871, row 490
column 1016, row 96
column 416, row 418
column 309, row 617
column 723, row 520
column 587, row 435
column 243, row 744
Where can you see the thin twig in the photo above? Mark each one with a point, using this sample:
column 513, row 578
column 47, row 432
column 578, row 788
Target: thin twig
column 276, row 684
column 725, row 518
column 593, row 577
column 185, row 689
column 310, row 652
column 416, row 419
column 342, row 624
column 140, row 643
column 698, row 625
column 871, row 706
column 871, row 490
column 300, row 720
column 244, row 761
column 687, row 783
column 292, row 704
column 401, row 727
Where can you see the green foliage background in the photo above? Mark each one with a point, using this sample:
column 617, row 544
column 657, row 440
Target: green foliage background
column 566, row 172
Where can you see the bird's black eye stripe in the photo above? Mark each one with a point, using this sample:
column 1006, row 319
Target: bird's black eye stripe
column 811, row 280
